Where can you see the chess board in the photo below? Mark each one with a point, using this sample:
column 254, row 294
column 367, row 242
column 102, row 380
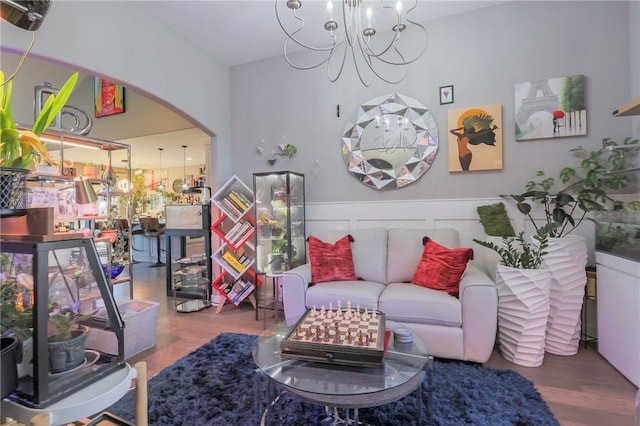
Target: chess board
column 338, row 337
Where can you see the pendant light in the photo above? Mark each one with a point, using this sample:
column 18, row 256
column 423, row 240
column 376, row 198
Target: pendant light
column 185, row 185
column 160, row 185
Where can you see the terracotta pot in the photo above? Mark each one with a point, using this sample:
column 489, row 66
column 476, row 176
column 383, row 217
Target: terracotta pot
column 91, row 172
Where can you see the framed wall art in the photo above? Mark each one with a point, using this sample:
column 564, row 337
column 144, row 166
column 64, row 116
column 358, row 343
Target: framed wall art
column 475, row 138
column 109, row 97
column 551, row 108
column 446, row 95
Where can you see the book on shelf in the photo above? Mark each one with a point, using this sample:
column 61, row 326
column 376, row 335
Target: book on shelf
column 235, row 230
column 240, row 290
column 237, row 233
column 233, row 196
column 243, row 197
column 230, row 208
column 233, row 262
column 246, row 231
column 245, row 292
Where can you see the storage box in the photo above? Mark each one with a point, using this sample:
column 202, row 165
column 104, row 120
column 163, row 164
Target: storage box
column 140, row 319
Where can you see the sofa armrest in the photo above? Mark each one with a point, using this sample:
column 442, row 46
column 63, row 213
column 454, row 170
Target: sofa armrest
column 294, row 287
column 479, row 299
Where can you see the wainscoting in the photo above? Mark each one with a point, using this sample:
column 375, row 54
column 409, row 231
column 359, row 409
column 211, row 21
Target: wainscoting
column 460, row 214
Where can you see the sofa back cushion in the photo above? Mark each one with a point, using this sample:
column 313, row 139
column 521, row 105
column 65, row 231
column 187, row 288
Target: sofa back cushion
column 405, row 250
column 369, row 250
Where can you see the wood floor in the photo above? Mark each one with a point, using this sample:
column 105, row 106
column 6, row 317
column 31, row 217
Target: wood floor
column 580, row 390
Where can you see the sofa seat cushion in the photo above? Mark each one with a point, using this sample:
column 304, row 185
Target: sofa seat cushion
column 410, row 303
column 363, row 293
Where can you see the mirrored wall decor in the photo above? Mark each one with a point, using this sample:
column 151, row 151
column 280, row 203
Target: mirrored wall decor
column 392, row 143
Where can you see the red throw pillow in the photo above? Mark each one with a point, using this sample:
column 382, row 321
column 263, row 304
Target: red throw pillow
column 441, row 268
column 331, row 262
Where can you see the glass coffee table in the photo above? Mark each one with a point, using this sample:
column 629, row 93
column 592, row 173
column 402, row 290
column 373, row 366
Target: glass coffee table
column 338, row 386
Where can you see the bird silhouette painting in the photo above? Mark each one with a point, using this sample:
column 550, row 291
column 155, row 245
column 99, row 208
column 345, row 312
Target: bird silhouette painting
column 475, row 139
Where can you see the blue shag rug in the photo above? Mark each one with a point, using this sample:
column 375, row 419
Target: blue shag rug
column 216, row 385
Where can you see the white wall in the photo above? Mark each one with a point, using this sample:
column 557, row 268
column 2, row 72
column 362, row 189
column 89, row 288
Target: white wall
column 121, row 41
column 483, row 54
column 634, row 55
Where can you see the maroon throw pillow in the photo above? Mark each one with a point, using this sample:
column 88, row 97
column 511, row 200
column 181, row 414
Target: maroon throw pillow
column 331, row 262
column 441, row 268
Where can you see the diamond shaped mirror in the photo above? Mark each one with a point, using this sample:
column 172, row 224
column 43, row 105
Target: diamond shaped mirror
column 392, row 143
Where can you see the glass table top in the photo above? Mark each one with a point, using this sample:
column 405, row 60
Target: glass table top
column 401, row 363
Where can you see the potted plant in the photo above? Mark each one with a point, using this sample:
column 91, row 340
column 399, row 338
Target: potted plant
column 523, row 285
column 585, row 188
column 19, row 148
column 16, row 309
column 279, row 253
column 91, row 170
column 46, row 166
column 67, row 337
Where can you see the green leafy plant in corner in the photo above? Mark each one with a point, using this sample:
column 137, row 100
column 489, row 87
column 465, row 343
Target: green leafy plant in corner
column 19, row 148
column 516, row 252
column 281, row 245
column 586, row 187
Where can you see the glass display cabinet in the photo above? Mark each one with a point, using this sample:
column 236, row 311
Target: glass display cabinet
column 48, row 287
column 188, row 275
column 280, row 221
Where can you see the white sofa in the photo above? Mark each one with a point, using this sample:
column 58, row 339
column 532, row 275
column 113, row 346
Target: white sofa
column 385, row 260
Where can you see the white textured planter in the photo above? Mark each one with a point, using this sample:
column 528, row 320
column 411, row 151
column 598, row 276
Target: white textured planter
column 523, row 308
column 566, row 259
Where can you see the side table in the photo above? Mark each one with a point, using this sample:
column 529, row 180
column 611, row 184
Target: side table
column 272, row 302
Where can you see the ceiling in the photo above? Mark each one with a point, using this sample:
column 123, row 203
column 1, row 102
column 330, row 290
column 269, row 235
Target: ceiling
column 242, row 31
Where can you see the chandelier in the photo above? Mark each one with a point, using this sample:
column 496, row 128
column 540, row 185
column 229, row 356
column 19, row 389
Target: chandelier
column 370, row 31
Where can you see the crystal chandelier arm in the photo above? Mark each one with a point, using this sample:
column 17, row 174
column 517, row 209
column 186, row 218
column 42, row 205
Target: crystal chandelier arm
column 291, row 35
column 410, row 61
column 367, row 49
column 368, row 59
column 344, row 56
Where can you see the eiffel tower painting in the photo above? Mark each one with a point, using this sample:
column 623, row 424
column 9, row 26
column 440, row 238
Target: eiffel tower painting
column 551, row 108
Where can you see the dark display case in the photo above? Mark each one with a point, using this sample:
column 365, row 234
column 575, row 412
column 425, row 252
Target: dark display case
column 189, row 276
column 45, row 284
